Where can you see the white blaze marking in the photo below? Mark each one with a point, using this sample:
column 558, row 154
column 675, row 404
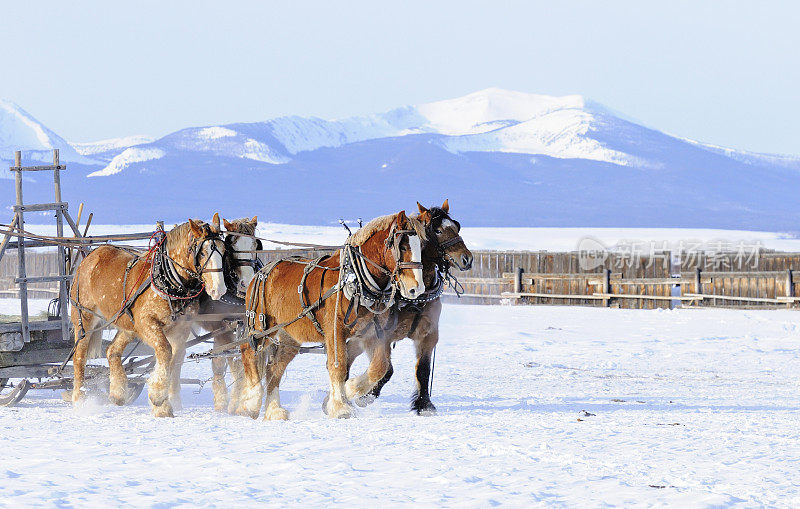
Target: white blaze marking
column 245, row 272
column 217, row 279
column 416, row 256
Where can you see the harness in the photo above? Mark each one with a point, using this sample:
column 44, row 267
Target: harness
column 355, row 281
column 163, row 277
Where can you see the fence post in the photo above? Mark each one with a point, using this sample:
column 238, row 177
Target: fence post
column 518, row 280
column 789, row 287
column 697, row 281
column 607, row 286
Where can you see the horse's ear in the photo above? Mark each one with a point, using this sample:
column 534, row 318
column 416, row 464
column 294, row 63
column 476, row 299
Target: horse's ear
column 254, row 221
column 401, row 218
column 215, row 222
column 446, row 207
column 195, row 228
column 422, row 209
column 228, row 224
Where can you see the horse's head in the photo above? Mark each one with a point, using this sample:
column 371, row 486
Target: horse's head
column 206, row 249
column 241, row 260
column 405, row 245
column 444, row 235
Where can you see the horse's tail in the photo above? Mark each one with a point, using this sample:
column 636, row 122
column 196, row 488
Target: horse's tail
column 95, row 350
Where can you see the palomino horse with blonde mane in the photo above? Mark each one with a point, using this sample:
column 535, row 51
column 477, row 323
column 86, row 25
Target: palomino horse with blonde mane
column 417, row 319
column 240, row 262
column 339, row 295
column 143, row 297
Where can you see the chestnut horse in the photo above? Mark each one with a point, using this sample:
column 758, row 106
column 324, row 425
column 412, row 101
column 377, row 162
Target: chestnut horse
column 418, row 318
column 113, row 287
column 381, row 258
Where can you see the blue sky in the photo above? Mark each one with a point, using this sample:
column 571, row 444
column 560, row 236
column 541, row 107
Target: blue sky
column 720, row 72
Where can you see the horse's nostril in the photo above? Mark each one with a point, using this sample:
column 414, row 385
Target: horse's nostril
column 412, row 291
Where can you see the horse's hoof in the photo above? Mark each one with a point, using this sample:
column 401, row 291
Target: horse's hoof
column 78, row 397
column 276, row 413
column 325, row 404
column 163, row 411
column 116, row 399
column 340, row 411
column 424, row 408
column 366, row 399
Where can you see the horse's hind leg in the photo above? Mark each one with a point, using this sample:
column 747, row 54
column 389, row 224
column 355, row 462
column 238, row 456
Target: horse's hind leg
column 118, row 380
column 252, row 392
column 275, row 368
column 82, row 351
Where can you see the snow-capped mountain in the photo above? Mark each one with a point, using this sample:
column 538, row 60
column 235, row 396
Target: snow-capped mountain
column 20, row 131
column 503, row 158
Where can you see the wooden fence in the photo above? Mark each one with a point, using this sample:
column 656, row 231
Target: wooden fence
column 657, row 280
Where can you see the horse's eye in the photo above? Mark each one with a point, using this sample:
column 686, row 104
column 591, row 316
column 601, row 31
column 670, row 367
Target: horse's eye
column 438, row 231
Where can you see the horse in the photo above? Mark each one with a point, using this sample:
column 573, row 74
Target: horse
column 344, row 290
column 153, row 298
column 417, row 319
column 240, row 263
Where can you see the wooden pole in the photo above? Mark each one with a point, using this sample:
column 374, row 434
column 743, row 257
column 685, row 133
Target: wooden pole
column 789, row 287
column 23, row 285
column 698, row 282
column 607, row 286
column 63, row 270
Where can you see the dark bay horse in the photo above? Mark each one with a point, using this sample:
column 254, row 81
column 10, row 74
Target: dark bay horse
column 382, row 258
column 417, row 319
column 154, row 303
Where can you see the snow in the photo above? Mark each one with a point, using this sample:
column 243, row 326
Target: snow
column 692, row 408
column 97, row 147
column 485, row 110
column 128, row 157
column 20, row 131
column 215, row 133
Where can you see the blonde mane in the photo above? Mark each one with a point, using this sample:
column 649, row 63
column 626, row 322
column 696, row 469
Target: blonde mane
column 243, row 225
column 384, row 223
column 177, row 236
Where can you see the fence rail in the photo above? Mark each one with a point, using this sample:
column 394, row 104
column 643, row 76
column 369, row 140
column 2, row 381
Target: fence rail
column 660, row 280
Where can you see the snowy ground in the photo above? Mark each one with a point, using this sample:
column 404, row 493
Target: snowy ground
column 692, row 407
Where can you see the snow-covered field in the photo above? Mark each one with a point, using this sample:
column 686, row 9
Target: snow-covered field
column 691, row 408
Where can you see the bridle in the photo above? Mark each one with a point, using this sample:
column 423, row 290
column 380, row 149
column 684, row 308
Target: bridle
column 446, row 261
column 167, row 280
column 393, row 245
column 196, row 248
column 231, row 262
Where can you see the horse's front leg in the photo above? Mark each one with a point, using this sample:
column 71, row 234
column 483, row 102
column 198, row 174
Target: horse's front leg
column 157, row 384
column 177, row 339
column 218, row 367
column 337, row 405
column 380, row 360
column 424, row 345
